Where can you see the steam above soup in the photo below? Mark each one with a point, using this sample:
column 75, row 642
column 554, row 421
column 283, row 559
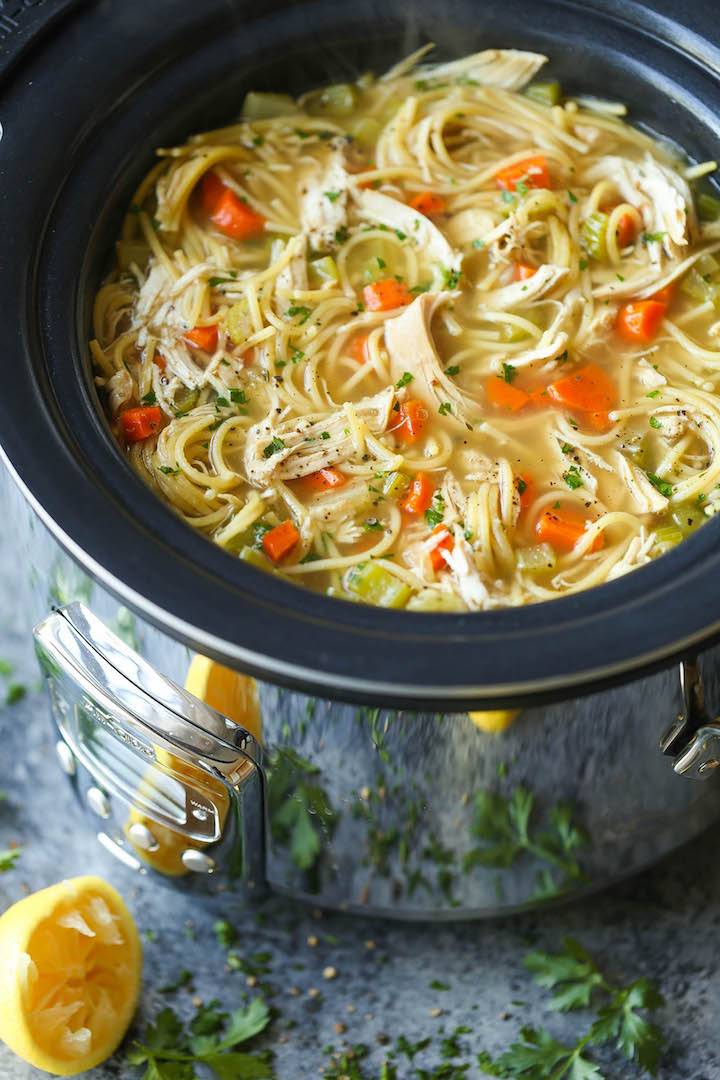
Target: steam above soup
column 441, row 340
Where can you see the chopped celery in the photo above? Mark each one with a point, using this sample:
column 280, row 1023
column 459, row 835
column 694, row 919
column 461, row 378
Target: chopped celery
column 376, row 585
column 432, row 600
column 594, row 235
column 708, row 206
column 395, row 485
column 707, row 265
column 365, row 131
column 669, row 534
column 536, row 559
column 249, row 538
column 238, row 323
column 546, row 93
column 261, row 106
column 698, row 286
column 687, row 516
column 337, row 100
column 324, row 269
column 510, row 331
column 256, row 558
column 186, row 400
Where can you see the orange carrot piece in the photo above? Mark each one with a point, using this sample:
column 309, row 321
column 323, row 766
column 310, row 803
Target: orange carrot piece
column 562, row 528
column 140, row 423
column 640, row 320
column 203, row 337
column 160, row 361
column 413, row 417
column 324, row 479
column 212, row 190
column 590, row 390
column 664, row 295
column 625, row 230
column 280, row 540
column 386, row 295
column 448, row 543
column 526, row 489
column 600, row 421
column 359, row 348
column 505, row 395
column 540, row 397
column 523, row 271
column 532, row 171
column 419, row 496
column 427, row 203
column 235, row 219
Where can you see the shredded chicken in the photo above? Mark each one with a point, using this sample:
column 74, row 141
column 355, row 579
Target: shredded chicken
column 465, row 574
column 637, row 554
column 119, row 389
column 647, row 498
column 648, row 376
column 324, row 205
column 543, row 281
column 509, row 69
column 381, row 209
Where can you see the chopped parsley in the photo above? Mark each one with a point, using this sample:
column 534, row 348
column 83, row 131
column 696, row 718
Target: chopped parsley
column 521, row 485
column 400, row 234
column 566, row 448
column 572, row 478
column 653, row 394
column 451, row 278
column 436, row 511
column 238, row 397
column 454, row 370
column 223, row 402
column 652, row 238
column 216, row 425
column 331, row 196
column 662, row 485
column 445, row 408
column 509, row 373
column 421, row 288
column 341, row 234
column 149, row 398
column 404, row 379
column 478, row 243
column 571, row 197
column 583, row 264
column 654, row 422
column 296, row 355
column 372, row 525
column 273, row 447
column 507, row 197
column 170, row 471
column 312, row 556
column 381, row 262
column 298, row 309
column 258, row 140
column 213, row 282
column 325, row 435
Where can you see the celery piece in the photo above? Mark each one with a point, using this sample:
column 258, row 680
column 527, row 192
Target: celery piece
column 594, row 235
column 324, row 269
column 395, row 485
column 687, row 516
column 259, row 105
column 186, row 400
column 366, row 131
column 546, row 93
column 669, row 534
column 376, row 585
column 238, row 323
column 337, row 100
column 256, row 558
column 536, row 559
column 432, row 600
column 708, row 207
column 707, row 265
column 695, row 285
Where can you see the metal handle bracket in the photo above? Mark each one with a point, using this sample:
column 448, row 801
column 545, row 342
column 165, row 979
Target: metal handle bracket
column 693, row 739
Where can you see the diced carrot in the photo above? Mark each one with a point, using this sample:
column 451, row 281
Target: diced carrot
column 386, row 295
column 203, row 337
column 428, row 203
column 563, row 528
column 640, row 320
column 419, row 496
column 413, row 417
column 526, row 489
column 590, row 390
column 625, row 230
column 324, row 479
column 532, row 171
column 140, row 423
column 359, row 348
column 664, row 295
column 505, row 395
column 523, row 271
column 540, row 397
column 212, row 190
column 160, row 361
column 235, row 219
column 600, row 421
column 280, row 540
column 448, row 543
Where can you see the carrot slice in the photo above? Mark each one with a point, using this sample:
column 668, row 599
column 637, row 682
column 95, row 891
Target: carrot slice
column 203, row 337
column 428, row 203
column 532, row 172
column 386, row 295
column 664, row 295
column 419, row 496
column 140, row 423
column 563, row 528
column 359, row 348
column 212, row 190
column 640, row 320
column 448, row 543
column 625, row 230
column 235, row 219
column 504, row 395
column 280, row 540
column 590, row 390
column 540, row 397
column 324, row 479
column 160, row 361
column 413, row 417
column 523, row 271
column 526, row 489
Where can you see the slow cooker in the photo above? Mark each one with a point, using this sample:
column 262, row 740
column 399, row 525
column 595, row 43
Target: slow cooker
column 358, row 779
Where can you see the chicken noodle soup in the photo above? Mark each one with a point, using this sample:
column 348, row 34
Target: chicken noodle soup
column 441, row 340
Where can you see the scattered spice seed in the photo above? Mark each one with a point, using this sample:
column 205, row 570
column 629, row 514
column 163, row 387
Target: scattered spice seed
column 295, row 991
column 312, row 941
column 313, row 992
column 329, row 973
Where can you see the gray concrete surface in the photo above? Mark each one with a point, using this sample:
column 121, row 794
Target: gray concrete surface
column 664, row 924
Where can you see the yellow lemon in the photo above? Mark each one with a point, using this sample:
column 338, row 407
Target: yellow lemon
column 70, row 970
column 495, row 720
column 235, row 696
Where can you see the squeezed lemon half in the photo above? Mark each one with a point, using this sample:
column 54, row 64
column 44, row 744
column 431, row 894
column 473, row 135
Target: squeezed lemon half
column 70, row 972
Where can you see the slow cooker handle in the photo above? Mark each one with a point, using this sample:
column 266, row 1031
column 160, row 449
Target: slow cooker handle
column 177, row 787
column 693, row 740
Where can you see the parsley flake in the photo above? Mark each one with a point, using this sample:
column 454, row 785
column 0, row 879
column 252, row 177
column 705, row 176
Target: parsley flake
column 273, row 447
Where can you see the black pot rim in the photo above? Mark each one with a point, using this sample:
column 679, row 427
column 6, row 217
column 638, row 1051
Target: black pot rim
column 60, row 452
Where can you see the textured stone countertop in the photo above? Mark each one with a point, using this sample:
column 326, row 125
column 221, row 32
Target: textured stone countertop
column 664, row 924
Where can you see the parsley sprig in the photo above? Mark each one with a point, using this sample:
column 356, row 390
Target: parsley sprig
column 170, row 1052
column 576, row 979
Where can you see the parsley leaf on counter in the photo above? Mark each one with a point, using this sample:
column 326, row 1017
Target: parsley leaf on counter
column 8, row 859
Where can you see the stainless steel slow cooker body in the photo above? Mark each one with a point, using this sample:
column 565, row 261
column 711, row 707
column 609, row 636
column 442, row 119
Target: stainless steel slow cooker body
column 368, row 805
